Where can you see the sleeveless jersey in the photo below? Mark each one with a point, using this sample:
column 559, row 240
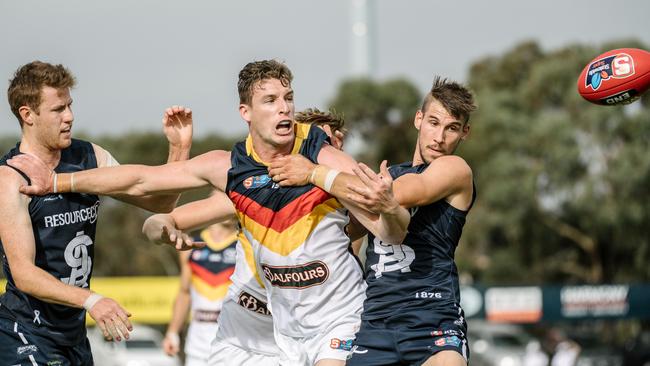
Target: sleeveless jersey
column 420, row 273
column 211, row 268
column 64, row 233
column 297, row 238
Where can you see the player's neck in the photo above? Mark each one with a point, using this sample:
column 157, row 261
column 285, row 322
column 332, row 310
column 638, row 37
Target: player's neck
column 50, row 156
column 417, row 157
column 267, row 152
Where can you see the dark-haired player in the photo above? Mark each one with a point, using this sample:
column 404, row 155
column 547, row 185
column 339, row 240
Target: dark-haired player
column 412, row 313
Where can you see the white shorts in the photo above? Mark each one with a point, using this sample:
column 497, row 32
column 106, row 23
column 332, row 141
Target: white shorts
column 225, row 354
column 199, row 338
column 244, row 329
column 334, row 343
column 195, row 361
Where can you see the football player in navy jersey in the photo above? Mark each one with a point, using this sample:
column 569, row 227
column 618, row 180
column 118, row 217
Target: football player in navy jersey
column 412, row 313
column 48, row 241
column 296, row 236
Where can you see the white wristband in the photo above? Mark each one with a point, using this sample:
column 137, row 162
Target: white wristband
column 54, row 183
column 329, row 179
column 92, row 300
column 71, row 182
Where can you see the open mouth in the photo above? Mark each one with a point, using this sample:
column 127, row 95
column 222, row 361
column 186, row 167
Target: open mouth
column 283, row 127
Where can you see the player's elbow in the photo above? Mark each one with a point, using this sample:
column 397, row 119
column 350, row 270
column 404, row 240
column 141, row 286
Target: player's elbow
column 23, row 281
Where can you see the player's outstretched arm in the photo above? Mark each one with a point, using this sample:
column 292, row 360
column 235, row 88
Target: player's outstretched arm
column 19, row 247
column 169, row 228
column 133, row 180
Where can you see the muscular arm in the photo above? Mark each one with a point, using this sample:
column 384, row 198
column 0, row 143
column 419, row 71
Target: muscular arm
column 181, row 310
column 19, row 246
column 168, row 228
column 448, row 177
column 155, row 203
column 133, row 180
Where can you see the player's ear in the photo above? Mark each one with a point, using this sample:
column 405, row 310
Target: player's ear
column 244, row 112
column 466, row 129
column 417, row 121
column 26, row 114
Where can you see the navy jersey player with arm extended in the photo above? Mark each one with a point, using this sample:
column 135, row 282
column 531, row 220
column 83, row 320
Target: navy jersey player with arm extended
column 412, row 313
column 48, row 242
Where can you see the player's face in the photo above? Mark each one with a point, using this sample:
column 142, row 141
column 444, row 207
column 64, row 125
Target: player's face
column 270, row 115
column 53, row 123
column 439, row 132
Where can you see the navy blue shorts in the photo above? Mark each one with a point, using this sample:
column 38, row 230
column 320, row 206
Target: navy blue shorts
column 20, row 345
column 408, row 339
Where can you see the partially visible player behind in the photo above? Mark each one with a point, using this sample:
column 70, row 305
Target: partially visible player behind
column 48, row 242
column 245, row 333
column 204, row 280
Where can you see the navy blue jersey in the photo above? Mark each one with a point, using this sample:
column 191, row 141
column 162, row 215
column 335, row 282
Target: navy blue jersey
column 420, row 273
column 64, row 233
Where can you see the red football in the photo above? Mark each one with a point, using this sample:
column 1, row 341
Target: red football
column 616, row 77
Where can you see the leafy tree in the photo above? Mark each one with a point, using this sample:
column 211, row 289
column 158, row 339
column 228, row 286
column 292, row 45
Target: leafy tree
column 382, row 113
column 563, row 184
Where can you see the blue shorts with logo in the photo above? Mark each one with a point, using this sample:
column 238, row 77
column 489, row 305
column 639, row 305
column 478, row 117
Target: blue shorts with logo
column 408, row 339
column 20, row 345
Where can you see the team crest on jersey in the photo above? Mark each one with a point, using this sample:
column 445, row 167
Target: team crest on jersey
column 300, row 276
column 256, row 181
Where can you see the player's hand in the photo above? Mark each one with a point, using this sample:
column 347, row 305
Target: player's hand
column 40, row 175
column 171, row 344
column 177, row 126
column 161, row 229
column 376, row 195
column 178, row 239
column 112, row 319
column 291, row 170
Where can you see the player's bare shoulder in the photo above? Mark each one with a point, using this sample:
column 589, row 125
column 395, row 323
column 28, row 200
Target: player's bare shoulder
column 451, row 164
column 11, row 181
column 214, row 165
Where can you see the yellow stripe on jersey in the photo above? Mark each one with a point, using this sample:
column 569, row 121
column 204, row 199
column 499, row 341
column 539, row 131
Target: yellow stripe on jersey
column 211, row 293
column 285, row 242
column 217, row 245
column 250, row 257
